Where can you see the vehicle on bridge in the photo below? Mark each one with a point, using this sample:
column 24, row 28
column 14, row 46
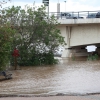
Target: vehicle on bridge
column 69, row 16
column 93, row 15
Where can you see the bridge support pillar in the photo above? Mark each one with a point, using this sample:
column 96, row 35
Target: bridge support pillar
column 67, row 52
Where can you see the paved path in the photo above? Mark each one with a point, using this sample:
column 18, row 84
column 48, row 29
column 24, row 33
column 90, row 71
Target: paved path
column 90, row 97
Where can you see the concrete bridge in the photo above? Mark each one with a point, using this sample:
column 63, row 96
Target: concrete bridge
column 78, row 34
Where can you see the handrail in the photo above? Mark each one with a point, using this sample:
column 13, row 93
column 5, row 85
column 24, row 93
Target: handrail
column 79, row 14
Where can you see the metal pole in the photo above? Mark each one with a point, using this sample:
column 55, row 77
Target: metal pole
column 15, row 58
column 48, row 11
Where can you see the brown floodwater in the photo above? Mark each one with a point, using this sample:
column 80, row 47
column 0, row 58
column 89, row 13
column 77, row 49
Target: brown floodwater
column 68, row 77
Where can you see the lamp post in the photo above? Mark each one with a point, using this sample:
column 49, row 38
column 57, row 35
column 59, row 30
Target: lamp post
column 46, row 3
column 3, row 2
column 65, row 6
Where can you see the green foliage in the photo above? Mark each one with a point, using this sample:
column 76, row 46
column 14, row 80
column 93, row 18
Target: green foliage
column 6, row 34
column 73, row 58
column 38, row 59
column 35, row 32
column 92, row 57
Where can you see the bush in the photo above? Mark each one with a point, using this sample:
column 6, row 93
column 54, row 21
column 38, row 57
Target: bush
column 37, row 59
column 93, row 57
column 5, row 45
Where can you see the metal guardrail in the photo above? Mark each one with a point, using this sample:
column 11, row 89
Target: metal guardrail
column 76, row 15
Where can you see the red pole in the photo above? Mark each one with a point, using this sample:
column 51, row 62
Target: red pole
column 15, row 62
column 15, row 54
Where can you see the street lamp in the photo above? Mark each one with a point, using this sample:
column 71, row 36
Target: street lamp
column 65, row 6
column 3, row 2
column 46, row 3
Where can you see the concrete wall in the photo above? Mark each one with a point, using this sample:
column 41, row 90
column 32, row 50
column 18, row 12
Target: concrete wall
column 85, row 34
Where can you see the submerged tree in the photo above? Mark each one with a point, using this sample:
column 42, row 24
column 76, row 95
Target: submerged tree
column 6, row 37
column 37, row 36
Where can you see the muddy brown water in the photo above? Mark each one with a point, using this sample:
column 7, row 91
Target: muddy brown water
column 68, row 77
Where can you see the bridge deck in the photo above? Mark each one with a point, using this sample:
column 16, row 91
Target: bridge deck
column 69, row 22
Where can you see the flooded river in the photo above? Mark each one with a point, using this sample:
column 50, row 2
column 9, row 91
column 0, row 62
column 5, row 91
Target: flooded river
column 68, row 77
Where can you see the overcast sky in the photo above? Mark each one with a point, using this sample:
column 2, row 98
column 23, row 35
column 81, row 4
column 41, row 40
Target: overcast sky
column 71, row 5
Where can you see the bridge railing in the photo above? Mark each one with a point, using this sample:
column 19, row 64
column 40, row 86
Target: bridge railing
column 76, row 15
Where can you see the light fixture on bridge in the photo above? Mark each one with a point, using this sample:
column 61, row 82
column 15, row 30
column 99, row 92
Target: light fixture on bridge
column 91, row 48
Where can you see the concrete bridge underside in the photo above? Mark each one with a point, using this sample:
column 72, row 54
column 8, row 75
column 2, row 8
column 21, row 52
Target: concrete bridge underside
column 78, row 34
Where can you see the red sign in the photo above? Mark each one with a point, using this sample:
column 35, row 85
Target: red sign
column 15, row 53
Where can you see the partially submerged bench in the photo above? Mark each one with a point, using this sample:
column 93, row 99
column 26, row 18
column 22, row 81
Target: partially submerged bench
column 7, row 76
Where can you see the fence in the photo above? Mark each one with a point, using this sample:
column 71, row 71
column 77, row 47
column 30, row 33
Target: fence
column 75, row 15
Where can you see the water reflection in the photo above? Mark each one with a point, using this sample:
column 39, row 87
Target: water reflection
column 79, row 77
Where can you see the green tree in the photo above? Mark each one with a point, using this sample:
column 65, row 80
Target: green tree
column 37, row 36
column 6, row 37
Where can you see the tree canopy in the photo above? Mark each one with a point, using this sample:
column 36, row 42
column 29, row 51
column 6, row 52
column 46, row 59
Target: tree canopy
column 36, row 37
